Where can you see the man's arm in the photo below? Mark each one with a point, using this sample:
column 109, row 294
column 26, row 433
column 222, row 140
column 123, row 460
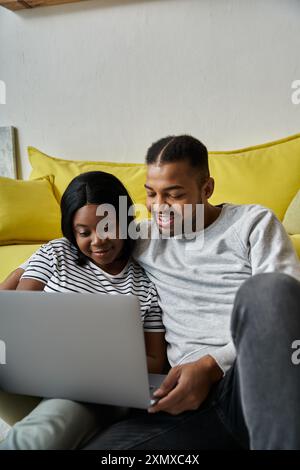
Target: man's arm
column 187, row 386
column 12, row 281
column 225, row 356
column 268, row 244
column 269, row 249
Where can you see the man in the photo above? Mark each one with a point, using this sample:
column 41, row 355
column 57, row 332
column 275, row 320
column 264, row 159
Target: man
column 246, row 272
column 240, row 269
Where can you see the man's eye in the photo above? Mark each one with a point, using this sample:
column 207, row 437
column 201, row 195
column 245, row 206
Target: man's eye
column 151, row 194
column 176, row 196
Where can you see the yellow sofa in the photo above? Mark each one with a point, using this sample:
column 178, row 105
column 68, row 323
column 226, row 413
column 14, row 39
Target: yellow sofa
column 267, row 174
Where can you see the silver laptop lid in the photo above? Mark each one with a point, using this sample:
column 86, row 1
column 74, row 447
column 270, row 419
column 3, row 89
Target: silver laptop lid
column 85, row 347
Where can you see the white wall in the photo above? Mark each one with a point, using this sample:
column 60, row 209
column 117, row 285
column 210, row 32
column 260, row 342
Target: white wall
column 102, row 79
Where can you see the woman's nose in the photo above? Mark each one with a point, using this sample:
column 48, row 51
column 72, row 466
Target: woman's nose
column 96, row 240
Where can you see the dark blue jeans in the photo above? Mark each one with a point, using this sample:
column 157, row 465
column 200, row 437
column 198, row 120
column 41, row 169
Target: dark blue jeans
column 256, row 405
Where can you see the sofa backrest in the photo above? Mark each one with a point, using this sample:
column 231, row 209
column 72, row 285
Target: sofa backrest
column 267, row 174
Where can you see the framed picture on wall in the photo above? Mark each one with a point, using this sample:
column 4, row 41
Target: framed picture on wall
column 8, row 165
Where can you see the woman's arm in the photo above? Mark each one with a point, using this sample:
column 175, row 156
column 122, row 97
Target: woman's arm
column 12, row 281
column 30, row 284
column 156, row 352
column 38, row 269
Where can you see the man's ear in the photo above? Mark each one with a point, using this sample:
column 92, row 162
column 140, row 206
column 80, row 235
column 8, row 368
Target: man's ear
column 208, row 188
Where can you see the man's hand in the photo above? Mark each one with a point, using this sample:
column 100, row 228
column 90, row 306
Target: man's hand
column 186, row 386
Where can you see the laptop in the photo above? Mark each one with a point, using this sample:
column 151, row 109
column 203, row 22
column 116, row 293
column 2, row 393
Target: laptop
column 79, row 346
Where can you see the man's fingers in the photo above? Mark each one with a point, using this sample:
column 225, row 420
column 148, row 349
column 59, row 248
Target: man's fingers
column 168, row 384
column 168, row 402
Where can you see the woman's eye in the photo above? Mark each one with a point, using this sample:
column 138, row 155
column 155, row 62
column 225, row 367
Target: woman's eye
column 83, row 234
column 150, row 194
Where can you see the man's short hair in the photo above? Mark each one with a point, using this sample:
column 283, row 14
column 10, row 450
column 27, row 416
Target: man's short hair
column 179, row 148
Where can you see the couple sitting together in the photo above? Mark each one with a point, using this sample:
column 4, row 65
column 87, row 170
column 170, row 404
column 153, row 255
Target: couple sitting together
column 220, row 310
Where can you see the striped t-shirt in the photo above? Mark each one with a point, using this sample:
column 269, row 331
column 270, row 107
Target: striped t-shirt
column 55, row 265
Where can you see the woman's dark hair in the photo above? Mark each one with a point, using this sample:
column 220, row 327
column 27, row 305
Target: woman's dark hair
column 177, row 148
column 93, row 187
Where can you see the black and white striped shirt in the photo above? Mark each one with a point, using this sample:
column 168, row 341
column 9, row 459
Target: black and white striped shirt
column 55, row 265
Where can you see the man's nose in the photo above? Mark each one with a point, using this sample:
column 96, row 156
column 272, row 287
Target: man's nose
column 160, row 200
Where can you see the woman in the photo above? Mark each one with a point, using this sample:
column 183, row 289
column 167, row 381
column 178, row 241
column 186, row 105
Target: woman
column 85, row 260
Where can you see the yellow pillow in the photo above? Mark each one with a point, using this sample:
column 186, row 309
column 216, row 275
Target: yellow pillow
column 296, row 242
column 267, row 174
column 291, row 221
column 132, row 175
column 29, row 211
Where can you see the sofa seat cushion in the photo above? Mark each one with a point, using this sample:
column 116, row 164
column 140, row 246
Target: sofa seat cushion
column 11, row 256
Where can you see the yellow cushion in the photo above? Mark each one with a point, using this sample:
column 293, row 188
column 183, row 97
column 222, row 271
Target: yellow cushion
column 267, row 174
column 11, row 256
column 29, row 211
column 291, row 219
column 132, row 175
column 296, row 242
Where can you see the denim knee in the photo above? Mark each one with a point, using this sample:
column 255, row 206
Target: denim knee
column 271, row 283
column 262, row 298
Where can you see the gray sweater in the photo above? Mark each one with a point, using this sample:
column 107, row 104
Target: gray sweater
column 197, row 282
